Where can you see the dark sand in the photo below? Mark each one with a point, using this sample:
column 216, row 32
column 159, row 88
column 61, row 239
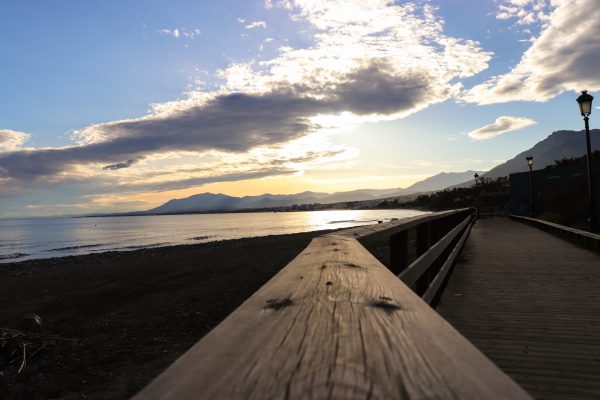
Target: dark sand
column 131, row 313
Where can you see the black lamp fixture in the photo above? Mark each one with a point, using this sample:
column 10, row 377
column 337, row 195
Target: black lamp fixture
column 476, row 176
column 585, row 103
column 585, row 107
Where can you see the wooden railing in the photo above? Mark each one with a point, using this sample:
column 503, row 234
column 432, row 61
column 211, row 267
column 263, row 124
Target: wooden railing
column 336, row 323
column 590, row 241
column 490, row 212
column 422, row 249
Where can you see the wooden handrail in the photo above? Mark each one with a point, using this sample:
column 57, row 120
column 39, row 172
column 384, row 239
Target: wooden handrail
column 588, row 240
column 450, row 245
column 421, row 264
column 486, row 211
column 433, row 291
column 390, row 228
column 335, row 323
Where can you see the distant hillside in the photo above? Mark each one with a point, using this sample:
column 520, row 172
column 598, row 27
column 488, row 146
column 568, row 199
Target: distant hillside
column 559, row 145
column 199, row 202
column 442, row 180
column 211, row 202
column 221, row 202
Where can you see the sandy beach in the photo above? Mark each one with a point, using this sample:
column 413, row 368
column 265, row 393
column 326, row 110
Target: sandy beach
column 113, row 321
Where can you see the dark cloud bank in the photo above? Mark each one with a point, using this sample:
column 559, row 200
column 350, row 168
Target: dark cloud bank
column 233, row 122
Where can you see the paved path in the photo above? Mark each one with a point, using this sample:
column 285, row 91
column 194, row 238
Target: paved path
column 531, row 303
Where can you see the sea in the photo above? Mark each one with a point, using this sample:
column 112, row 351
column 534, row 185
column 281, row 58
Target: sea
column 32, row 238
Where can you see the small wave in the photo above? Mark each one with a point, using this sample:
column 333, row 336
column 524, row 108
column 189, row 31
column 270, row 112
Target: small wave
column 354, row 221
column 203, row 237
column 83, row 246
column 144, row 246
column 12, row 256
column 8, row 243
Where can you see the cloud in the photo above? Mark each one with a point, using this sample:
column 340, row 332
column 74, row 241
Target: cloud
column 255, row 165
column 148, row 178
column 232, row 122
column 503, row 124
column 256, row 24
column 163, row 185
column 261, row 47
column 12, row 140
column 120, row 165
column 565, row 56
column 525, row 12
column 354, row 69
column 181, row 33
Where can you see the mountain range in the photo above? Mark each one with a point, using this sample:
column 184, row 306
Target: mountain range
column 559, row 145
column 211, row 202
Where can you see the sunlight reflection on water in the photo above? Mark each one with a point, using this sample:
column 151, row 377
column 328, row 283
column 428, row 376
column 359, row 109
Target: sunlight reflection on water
column 22, row 239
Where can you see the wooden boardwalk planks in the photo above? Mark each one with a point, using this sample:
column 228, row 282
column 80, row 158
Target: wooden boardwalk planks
column 531, row 303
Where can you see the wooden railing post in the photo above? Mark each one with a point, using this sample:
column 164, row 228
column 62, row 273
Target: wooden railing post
column 399, row 252
column 436, row 251
column 423, row 242
column 435, row 230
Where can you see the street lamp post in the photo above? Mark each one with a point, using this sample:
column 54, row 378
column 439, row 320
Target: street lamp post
column 476, row 176
column 530, row 164
column 585, row 107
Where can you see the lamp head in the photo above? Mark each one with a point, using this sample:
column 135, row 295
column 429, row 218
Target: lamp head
column 585, row 103
column 529, row 160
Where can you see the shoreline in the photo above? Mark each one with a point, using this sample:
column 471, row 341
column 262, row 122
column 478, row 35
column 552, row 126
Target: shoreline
column 124, row 316
column 97, row 237
column 9, row 267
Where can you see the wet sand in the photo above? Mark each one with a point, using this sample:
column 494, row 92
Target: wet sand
column 131, row 314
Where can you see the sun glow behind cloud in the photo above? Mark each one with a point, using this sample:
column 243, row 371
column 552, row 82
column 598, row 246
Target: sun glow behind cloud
column 270, row 117
column 12, row 140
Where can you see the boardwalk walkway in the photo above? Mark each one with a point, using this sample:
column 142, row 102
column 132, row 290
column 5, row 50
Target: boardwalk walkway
column 531, row 303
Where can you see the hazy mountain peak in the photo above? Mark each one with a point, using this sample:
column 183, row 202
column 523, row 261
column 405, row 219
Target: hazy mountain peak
column 558, row 145
column 442, row 181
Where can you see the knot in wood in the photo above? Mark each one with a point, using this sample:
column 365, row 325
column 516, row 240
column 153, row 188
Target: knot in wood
column 384, row 304
column 277, row 304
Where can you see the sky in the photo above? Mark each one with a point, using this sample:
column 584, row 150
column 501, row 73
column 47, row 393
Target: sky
column 123, row 105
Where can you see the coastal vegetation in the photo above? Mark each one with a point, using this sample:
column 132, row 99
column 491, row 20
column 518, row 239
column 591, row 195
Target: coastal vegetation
column 488, row 193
